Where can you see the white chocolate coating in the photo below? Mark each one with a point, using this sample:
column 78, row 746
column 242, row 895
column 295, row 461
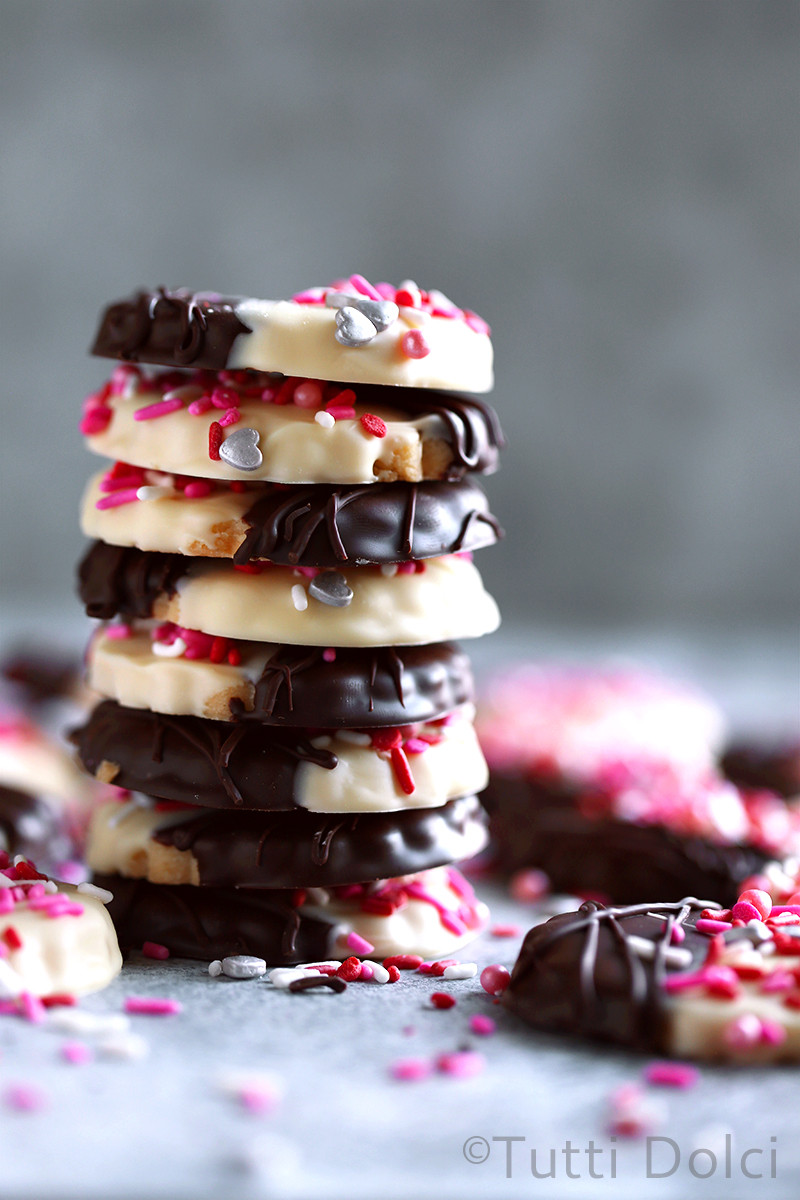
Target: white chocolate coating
column 32, row 762
column 294, row 446
column 416, row 928
column 66, row 954
column 211, row 526
column 299, row 339
column 446, row 601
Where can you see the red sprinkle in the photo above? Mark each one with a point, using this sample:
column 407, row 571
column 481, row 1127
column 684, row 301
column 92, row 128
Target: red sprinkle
column 403, row 962
column 505, row 931
column 215, row 439
column 350, row 970
column 402, row 770
column 152, row 1006
column 394, row 974
column 155, row 950
column 374, row 425
column 671, row 1074
column 442, row 1000
column 12, row 938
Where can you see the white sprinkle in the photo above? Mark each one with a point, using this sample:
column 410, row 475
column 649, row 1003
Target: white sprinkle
column 244, row 966
column 461, row 971
column 379, row 972
column 91, row 889
column 321, row 742
column 173, row 650
column 189, row 391
column 50, row 886
column 415, row 317
column 299, row 597
column 129, row 1046
column 154, row 493
column 320, row 962
column 6, row 882
column 389, row 570
column 317, row 896
column 11, row 984
column 281, row 977
column 353, row 738
column 215, row 968
column 324, row 419
column 76, row 1020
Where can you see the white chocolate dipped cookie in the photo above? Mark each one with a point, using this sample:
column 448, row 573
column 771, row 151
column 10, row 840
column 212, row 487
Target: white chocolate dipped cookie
column 59, row 939
column 350, row 331
column 431, row 601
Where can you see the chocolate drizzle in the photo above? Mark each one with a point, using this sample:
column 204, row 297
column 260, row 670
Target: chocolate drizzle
column 124, row 580
column 580, row 973
column 325, row 526
column 178, row 328
column 207, row 923
column 309, row 849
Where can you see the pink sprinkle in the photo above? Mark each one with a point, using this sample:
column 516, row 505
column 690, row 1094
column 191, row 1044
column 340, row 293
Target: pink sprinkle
column 310, row 296
column 414, row 345
column 257, row 1098
column 329, row 655
column 115, row 499
column 198, row 488
column 95, row 421
column 24, row 1097
column 358, row 944
column 677, row 935
column 200, row 406
column 476, row 323
column 707, row 925
column 224, row 397
column 761, row 901
column 671, row 1074
column 308, row 394
column 118, row 633
column 76, row 1052
column 744, row 1032
column 340, row 412
column 529, row 886
column 495, row 979
column 367, row 971
column 410, row 1068
column 505, row 931
column 364, row 287
column 152, row 1006
column 415, row 746
column 777, row 981
column 483, row 1026
column 155, row 950
column 772, row 1034
column 32, row 1008
column 231, row 417
column 744, row 911
column 462, row 1064
column 161, row 408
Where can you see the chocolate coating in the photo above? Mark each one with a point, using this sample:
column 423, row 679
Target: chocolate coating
column 533, row 825
column 121, row 579
column 774, row 768
column 176, row 328
column 577, row 973
column 305, row 849
column 208, row 923
column 319, row 526
column 30, row 826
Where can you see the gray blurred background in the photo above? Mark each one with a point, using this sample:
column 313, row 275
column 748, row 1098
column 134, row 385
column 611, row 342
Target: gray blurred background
column 613, row 184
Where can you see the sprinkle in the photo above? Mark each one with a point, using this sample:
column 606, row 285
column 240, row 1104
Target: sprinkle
column 481, row 1025
column 505, row 931
column 79, row 1021
column 708, row 925
column 374, row 425
column 414, row 344
column 155, row 950
column 118, row 633
column 380, row 973
column 154, row 493
column 367, row 971
column 340, row 412
column 350, row 970
column 200, row 406
column 324, row 419
column 224, row 397
column 462, row 1064
column 402, row 770
column 12, row 938
column 364, row 287
column 310, row 982
column 32, row 1008
column 299, row 597
column 231, row 417
column 282, row 977
column 95, row 421
column 308, row 394
column 671, row 1074
column 197, row 489
column 115, row 499
column 358, row 944
column 394, row 975
column 529, row 886
column 24, row 1097
column 403, row 962
column 743, row 1033
column 152, row 1006
column 759, row 899
column 353, row 328
column 256, row 1091
column 461, row 971
column 215, row 968
column 99, row 893
column 410, row 1069
column 122, row 1045
column 160, row 409
column 215, row 437
column 442, row 1000
column 495, row 979
column 329, row 655
column 77, row 1053
column 244, row 966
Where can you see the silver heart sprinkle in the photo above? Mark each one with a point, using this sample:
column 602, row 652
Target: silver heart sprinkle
column 382, row 313
column 331, row 587
column 240, row 450
column 353, row 328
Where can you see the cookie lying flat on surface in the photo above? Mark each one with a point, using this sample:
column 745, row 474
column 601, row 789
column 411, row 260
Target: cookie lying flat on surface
column 215, row 764
column 57, row 940
column 676, row 979
column 348, row 331
column 432, row 914
column 354, row 435
column 436, row 600
column 315, row 526
column 143, row 666
column 219, row 848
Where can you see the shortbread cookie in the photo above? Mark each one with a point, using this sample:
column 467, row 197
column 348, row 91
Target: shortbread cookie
column 432, row 914
column 314, row 526
column 251, row 765
column 182, row 672
column 217, row 848
column 668, row 978
column 56, row 939
column 348, row 331
column 364, row 434
column 431, row 601
column 639, row 829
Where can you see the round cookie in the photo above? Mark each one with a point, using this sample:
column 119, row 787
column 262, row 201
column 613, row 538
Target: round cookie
column 216, row 848
column 433, row 914
column 353, row 688
column 436, row 600
column 314, row 526
column 58, row 939
column 249, row 765
column 365, row 435
column 349, row 331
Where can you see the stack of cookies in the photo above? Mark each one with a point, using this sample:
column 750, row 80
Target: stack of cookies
column 282, row 564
